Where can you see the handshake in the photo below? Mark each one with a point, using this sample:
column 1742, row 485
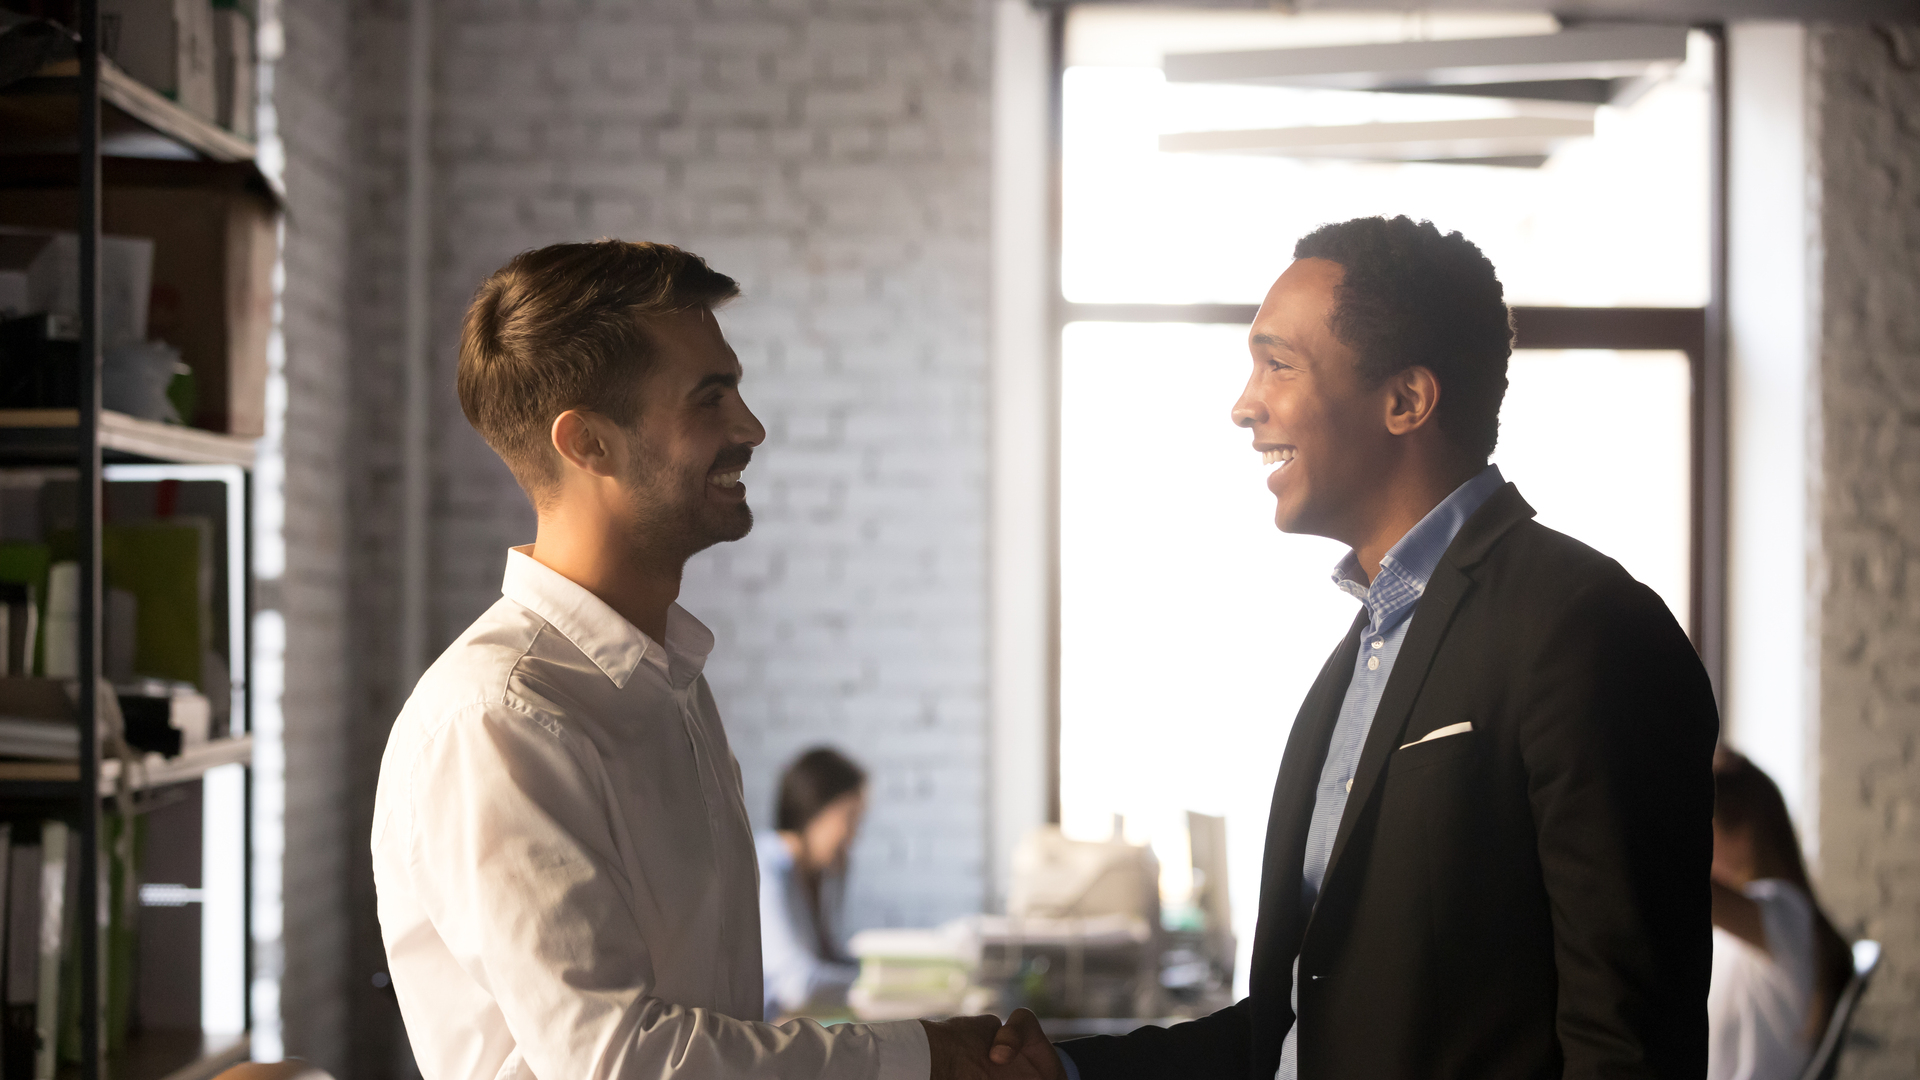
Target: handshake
column 973, row 1047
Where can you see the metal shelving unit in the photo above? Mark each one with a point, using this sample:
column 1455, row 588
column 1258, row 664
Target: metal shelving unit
column 71, row 117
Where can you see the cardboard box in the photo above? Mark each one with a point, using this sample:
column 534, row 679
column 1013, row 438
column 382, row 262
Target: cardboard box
column 167, row 44
column 40, row 272
column 234, row 68
column 214, row 245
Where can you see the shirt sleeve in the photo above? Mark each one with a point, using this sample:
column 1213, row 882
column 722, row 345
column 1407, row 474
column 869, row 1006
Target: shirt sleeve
column 514, row 861
column 1786, row 915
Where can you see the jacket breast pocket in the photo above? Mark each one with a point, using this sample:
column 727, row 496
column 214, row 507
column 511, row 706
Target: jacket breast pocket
column 1432, row 752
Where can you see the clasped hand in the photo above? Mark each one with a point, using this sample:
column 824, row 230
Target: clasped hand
column 976, row 1047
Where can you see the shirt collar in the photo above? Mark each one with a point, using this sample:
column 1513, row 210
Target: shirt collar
column 615, row 645
column 1409, row 564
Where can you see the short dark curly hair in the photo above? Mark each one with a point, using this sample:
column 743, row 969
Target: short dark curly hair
column 1413, row 297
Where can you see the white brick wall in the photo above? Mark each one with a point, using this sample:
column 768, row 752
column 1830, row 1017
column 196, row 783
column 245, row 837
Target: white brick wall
column 832, row 156
column 313, row 84
column 1866, row 92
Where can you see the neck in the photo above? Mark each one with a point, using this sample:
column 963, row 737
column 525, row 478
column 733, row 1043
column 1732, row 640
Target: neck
column 1408, row 495
column 603, row 559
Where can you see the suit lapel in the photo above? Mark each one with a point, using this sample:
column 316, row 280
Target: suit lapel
column 1431, row 617
column 1277, row 933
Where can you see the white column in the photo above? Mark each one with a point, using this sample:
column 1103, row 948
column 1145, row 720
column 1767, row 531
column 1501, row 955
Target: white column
column 1021, row 455
column 1771, row 659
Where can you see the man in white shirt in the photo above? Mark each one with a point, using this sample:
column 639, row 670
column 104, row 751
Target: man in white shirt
column 566, row 874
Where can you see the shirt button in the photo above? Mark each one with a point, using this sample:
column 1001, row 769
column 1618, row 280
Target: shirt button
column 1379, row 642
column 1349, row 783
column 1373, row 663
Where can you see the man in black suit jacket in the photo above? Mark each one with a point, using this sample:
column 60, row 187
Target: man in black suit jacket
column 1488, row 847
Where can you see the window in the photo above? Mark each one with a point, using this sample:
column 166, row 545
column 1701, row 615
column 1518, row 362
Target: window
column 1190, row 628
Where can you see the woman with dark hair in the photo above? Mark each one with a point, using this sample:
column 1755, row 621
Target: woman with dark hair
column 1778, row 964
column 803, row 868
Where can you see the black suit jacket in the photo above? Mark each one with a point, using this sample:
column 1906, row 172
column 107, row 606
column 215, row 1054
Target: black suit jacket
column 1528, row 899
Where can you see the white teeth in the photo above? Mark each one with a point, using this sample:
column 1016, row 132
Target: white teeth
column 725, row 479
column 1274, row 457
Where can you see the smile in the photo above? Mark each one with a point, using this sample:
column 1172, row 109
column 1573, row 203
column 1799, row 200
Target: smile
column 725, row 479
column 1277, row 457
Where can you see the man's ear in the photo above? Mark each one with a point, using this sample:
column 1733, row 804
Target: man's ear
column 586, row 441
column 1411, row 398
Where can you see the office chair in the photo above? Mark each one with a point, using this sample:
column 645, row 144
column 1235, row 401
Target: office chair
column 292, row 1069
column 1826, row 1057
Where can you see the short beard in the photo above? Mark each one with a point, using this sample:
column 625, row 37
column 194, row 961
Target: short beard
column 671, row 520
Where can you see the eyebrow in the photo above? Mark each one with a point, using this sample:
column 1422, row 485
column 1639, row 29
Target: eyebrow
column 728, row 379
column 1274, row 341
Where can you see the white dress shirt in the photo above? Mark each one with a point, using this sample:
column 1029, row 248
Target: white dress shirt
column 565, row 868
column 1758, row 1001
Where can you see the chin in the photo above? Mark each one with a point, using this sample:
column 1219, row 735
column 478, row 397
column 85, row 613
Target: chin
column 735, row 524
column 1289, row 518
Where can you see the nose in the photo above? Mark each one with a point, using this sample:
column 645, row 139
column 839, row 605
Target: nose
column 1248, row 411
column 747, row 428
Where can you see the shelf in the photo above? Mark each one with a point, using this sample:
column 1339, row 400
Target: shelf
column 49, row 437
column 37, row 115
column 52, row 780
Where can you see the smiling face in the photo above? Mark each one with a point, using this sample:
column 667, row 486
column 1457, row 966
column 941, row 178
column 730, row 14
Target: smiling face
column 691, row 440
column 1309, row 410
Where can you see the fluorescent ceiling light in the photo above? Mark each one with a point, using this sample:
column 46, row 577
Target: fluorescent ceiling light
column 1595, row 66
column 1599, row 53
column 1501, row 140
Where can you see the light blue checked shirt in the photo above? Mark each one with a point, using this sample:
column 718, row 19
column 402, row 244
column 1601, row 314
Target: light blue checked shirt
column 1404, row 572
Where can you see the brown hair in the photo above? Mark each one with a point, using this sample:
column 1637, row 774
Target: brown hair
column 1746, row 799
column 811, row 784
column 565, row 327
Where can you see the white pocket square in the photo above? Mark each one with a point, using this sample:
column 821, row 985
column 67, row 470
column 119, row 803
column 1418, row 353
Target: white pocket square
column 1460, row 728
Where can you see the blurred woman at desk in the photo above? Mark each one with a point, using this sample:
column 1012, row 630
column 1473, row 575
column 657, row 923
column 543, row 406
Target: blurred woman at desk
column 1778, row 964
column 803, row 872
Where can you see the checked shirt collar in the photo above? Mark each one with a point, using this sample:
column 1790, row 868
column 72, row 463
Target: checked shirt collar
column 1407, row 567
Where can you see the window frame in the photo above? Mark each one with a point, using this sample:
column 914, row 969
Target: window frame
column 1698, row 332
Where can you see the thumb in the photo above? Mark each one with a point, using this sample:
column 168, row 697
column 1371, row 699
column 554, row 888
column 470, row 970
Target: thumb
column 1021, row 1029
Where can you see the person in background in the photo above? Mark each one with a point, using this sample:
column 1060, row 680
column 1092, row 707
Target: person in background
column 1778, row 964
column 803, row 873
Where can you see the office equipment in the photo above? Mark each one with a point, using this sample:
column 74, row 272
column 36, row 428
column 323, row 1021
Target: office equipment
column 1054, row 877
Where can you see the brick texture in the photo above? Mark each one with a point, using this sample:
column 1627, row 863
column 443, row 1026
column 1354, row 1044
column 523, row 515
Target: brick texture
column 1866, row 90
column 312, row 92
column 832, row 156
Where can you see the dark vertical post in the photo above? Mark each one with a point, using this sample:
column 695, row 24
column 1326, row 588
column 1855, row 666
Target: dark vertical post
column 1056, row 121
column 244, row 664
column 87, row 904
column 1709, row 616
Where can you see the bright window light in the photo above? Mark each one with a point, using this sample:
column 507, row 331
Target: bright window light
column 223, row 928
column 1599, row 443
column 1190, row 627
